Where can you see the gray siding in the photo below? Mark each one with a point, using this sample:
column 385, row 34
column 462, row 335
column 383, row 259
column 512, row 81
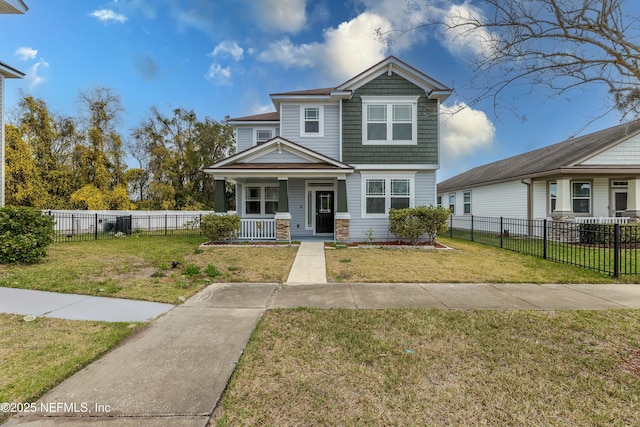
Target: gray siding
column 353, row 151
column 424, row 196
column 328, row 144
column 296, row 208
column 244, row 138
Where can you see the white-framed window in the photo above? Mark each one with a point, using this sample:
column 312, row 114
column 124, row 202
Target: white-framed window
column 381, row 192
column 263, row 135
column 312, row 120
column 390, row 120
column 466, row 201
column 261, row 199
column 581, row 197
column 439, row 201
column 452, row 203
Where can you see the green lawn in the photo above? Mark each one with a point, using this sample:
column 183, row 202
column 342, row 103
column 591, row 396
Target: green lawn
column 438, row 367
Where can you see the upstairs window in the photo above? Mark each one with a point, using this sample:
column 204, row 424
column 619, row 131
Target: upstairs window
column 311, row 121
column 263, row 135
column 389, row 120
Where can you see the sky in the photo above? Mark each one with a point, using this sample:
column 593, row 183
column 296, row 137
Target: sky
column 224, row 57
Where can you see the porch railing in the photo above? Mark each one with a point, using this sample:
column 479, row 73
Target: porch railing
column 603, row 220
column 257, row 229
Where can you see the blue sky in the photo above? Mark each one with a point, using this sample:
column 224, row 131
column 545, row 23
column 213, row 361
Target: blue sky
column 224, row 57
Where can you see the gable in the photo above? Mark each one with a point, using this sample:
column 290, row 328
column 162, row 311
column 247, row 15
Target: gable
column 275, row 155
column 625, row 153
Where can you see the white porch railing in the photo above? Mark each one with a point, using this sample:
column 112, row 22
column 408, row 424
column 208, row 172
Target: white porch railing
column 257, row 229
column 602, row 220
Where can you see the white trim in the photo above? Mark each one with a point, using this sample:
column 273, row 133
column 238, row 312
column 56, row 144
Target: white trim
column 320, row 132
column 389, row 102
column 411, row 176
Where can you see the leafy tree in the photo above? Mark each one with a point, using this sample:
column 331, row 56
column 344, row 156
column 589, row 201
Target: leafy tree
column 173, row 150
column 558, row 44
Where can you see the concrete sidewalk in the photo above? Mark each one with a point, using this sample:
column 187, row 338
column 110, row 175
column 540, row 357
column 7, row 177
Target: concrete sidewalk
column 174, row 372
column 78, row 307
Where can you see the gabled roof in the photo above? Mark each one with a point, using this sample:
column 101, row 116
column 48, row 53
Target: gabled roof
column 244, row 161
column 563, row 157
column 433, row 88
column 12, row 6
column 10, row 72
column 391, row 64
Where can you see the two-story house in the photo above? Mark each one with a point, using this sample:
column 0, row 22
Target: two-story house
column 332, row 162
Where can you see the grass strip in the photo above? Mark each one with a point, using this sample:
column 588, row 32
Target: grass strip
column 437, row 367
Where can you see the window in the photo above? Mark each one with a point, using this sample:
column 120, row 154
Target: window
column 467, row 202
column 581, row 197
column 439, row 201
column 384, row 193
column 452, row 203
column 553, row 194
column 389, row 120
column 263, row 135
column 261, row 200
column 311, row 121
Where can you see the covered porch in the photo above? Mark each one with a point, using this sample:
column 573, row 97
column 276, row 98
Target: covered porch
column 285, row 192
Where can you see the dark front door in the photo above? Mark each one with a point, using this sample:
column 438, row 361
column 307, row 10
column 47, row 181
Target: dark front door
column 620, row 203
column 324, row 211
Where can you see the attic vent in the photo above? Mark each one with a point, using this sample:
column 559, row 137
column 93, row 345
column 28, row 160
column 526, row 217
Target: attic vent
column 619, row 184
column 320, row 184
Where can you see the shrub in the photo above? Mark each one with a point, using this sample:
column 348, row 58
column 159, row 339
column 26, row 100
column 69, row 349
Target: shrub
column 25, row 234
column 412, row 223
column 220, row 227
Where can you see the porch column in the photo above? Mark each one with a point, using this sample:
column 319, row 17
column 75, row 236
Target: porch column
column 563, row 200
column 633, row 198
column 220, row 197
column 283, row 217
column 342, row 214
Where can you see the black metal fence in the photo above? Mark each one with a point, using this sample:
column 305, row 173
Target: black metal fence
column 607, row 248
column 74, row 226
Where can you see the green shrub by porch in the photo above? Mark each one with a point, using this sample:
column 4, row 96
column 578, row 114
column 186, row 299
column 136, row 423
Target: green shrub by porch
column 412, row 223
column 220, row 227
column 25, row 234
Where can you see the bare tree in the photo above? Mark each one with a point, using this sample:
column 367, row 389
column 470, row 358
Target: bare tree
column 560, row 45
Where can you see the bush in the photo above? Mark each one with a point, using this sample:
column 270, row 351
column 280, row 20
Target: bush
column 25, row 234
column 412, row 223
column 220, row 227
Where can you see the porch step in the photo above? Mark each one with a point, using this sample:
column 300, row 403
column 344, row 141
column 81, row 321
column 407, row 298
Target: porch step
column 309, row 266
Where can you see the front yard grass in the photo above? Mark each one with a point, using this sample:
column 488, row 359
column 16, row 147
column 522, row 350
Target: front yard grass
column 35, row 356
column 161, row 269
column 469, row 262
column 437, row 367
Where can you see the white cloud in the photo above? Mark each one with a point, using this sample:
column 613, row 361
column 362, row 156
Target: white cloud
column 35, row 73
column 462, row 37
column 228, row 47
column 26, row 53
column 344, row 52
column 290, row 55
column 106, row 15
column 287, row 16
column 464, row 131
column 221, row 75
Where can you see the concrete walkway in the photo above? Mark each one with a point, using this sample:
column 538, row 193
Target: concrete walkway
column 309, row 267
column 174, row 372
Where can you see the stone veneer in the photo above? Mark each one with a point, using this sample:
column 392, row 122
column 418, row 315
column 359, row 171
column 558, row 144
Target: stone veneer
column 342, row 230
column 283, row 230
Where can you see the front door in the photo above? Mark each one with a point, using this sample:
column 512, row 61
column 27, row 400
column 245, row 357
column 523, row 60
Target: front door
column 324, row 212
column 620, row 202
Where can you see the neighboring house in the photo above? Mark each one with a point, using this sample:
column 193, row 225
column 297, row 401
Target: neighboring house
column 332, row 162
column 7, row 72
column 596, row 175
